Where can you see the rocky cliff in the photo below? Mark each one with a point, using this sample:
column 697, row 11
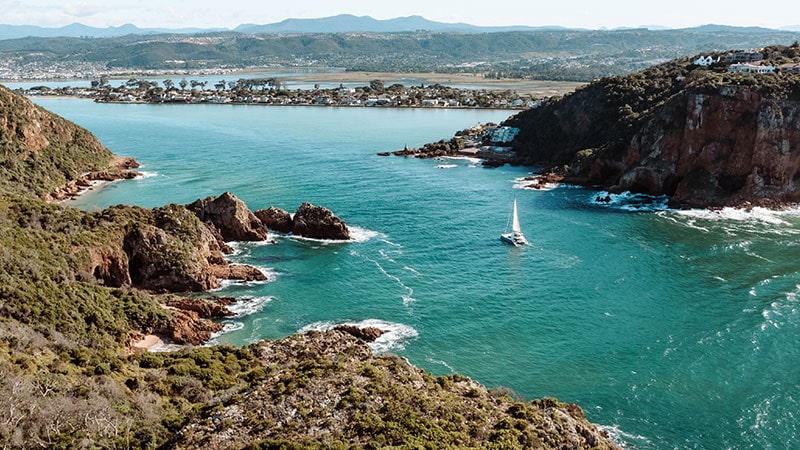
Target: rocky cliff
column 701, row 136
column 42, row 152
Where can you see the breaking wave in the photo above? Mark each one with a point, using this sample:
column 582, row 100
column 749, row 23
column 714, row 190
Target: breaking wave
column 394, row 337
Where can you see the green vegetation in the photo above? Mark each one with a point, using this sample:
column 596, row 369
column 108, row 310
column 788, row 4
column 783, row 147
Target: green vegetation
column 41, row 151
column 566, row 55
column 602, row 116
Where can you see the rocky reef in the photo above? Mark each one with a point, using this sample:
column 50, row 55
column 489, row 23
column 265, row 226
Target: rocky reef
column 316, row 222
column 702, row 136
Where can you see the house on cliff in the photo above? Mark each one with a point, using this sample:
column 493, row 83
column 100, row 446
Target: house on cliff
column 705, row 61
column 744, row 56
column 793, row 68
column 750, row 68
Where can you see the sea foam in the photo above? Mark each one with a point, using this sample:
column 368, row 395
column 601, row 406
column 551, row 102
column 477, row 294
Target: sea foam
column 628, row 201
column 394, row 337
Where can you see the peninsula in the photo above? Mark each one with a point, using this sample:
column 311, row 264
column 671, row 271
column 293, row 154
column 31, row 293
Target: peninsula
column 78, row 289
column 712, row 130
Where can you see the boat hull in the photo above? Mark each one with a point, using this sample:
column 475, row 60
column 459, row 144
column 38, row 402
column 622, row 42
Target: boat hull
column 517, row 240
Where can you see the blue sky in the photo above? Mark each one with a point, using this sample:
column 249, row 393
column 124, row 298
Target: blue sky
column 571, row 13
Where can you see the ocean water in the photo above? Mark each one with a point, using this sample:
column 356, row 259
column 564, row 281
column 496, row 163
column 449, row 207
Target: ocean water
column 671, row 329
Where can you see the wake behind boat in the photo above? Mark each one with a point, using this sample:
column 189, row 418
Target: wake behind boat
column 515, row 237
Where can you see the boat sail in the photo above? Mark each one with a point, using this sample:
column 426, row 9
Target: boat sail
column 515, row 237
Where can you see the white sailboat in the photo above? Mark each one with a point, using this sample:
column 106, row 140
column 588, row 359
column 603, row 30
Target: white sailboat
column 515, row 237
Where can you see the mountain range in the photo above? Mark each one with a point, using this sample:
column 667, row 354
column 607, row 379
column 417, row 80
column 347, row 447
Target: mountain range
column 343, row 23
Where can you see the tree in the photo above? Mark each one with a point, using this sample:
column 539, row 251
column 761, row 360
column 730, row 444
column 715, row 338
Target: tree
column 183, row 84
column 376, row 85
column 168, row 84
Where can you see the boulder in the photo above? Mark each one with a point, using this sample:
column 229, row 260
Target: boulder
column 367, row 334
column 319, row 223
column 231, row 216
column 241, row 272
column 275, row 219
column 187, row 327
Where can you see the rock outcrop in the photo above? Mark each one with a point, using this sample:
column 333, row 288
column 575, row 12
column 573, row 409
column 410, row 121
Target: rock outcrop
column 702, row 138
column 319, row 222
column 275, row 219
column 188, row 328
column 231, row 217
column 179, row 253
column 205, row 309
column 109, row 266
column 367, row 334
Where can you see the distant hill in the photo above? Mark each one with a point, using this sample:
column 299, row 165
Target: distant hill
column 347, row 23
column 343, row 23
column 77, row 30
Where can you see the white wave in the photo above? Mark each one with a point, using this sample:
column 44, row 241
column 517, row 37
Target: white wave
column 528, row 184
column 628, row 201
column 441, row 363
column 248, row 306
column 270, row 274
column 357, row 234
column 622, row 438
column 394, row 337
column 408, row 298
column 447, row 166
column 762, row 215
column 143, row 175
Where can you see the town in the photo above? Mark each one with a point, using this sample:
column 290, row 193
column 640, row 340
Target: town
column 270, row 91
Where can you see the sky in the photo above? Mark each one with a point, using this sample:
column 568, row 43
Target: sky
column 591, row 14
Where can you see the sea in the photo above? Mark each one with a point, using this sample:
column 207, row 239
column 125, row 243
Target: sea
column 671, row 329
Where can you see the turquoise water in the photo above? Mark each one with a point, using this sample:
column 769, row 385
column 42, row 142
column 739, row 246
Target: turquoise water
column 673, row 330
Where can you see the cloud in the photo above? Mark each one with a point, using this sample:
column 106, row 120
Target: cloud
column 83, row 9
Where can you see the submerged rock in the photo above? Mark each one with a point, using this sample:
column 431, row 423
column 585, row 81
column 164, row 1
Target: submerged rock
column 319, row 222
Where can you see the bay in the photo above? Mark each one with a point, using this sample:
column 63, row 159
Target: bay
column 671, row 329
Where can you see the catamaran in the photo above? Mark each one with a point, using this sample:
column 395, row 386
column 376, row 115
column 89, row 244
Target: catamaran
column 515, row 237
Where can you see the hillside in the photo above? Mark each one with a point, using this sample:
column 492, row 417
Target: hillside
column 555, row 54
column 77, row 289
column 702, row 136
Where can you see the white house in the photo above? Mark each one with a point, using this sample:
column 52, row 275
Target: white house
column 705, row 61
column 750, row 68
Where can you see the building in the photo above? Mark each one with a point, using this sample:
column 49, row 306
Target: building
column 705, row 61
column 502, row 135
column 744, row 56
column 750, row 68
column 789, row 68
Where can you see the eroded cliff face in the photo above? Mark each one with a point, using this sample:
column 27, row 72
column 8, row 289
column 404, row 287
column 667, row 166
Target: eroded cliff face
column 732, row 147
column 701, row 137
